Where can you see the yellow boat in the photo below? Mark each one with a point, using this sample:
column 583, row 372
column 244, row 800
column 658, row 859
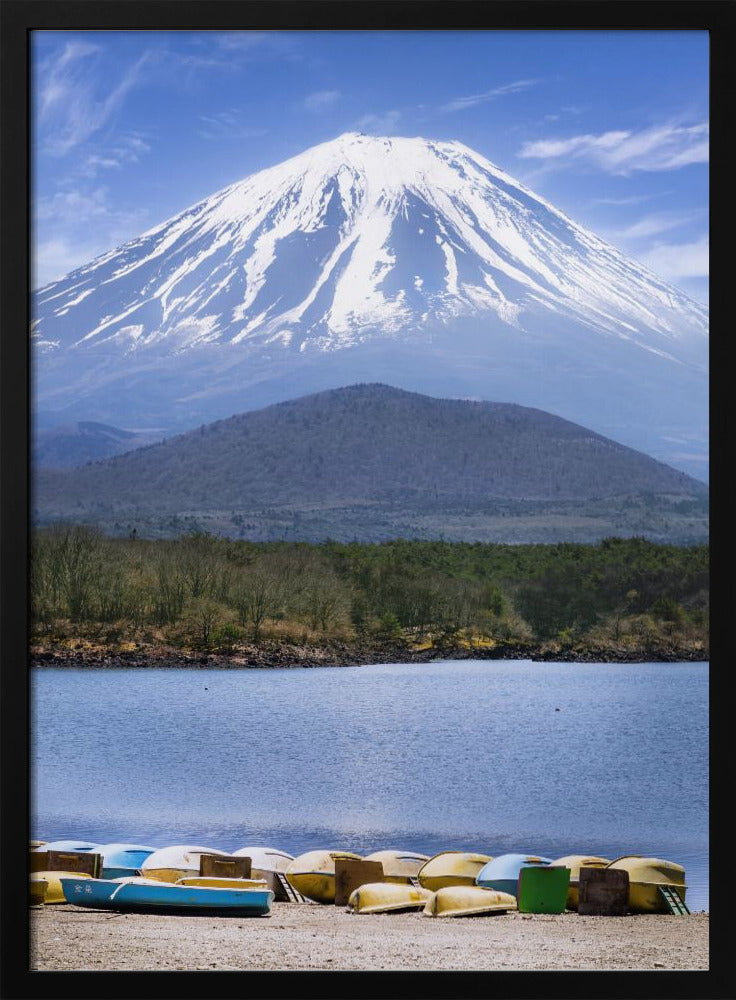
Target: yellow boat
column 37, row 890
column 646, row 875
column 215, row 882
column 169, row 864
column 575, row 862
column 53, row 892
column 313, row 874
column 468, row 901
column 451, row 868
column 399, row 867
column 387, row 897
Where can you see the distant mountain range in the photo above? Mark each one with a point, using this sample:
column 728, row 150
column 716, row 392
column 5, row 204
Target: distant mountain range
column 401, row 260
column 85, row 441
column 372, row 462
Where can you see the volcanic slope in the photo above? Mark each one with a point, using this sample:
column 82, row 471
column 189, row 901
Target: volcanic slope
column 372, row 462
column 401, row 260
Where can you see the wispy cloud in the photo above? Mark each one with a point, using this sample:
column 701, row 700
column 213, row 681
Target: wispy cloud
column 126, row 150
column 248, row 41
column 461, row 103
column 379, row 124
column 634, row 199
column 661, row 147
column 321, row 100
column 81, row 226
column 683, row 260
column 652, row 225
column 226, row 125
column 76, row 98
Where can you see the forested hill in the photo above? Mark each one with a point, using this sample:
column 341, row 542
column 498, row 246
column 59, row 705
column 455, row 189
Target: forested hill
column 369, row 446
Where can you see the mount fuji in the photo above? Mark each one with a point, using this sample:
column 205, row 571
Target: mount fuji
column 405, row 261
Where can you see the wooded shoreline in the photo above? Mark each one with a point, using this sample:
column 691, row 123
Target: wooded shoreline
column 199, row 600
column 275, row 655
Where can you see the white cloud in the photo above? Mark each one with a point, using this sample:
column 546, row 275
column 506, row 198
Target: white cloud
column 379, row 123
column 662, row 147
column 652, row 225
column 124, row 150
column 684, row 260
column 241, row 40
column 77, row 227
column 227, row 125
column 634, row 199
column 461, row 103
column 76, row 97
column 320, row 100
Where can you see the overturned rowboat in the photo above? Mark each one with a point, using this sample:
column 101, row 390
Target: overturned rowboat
column 399, row 867
column 73, row 846
column 37, row 891
column 313, row 874
column 468, row 901
column 121, row 860
column 502, row 872
column 388, row 897
column 451, row 868
column 651, row 880
column 169, row 864
column 264, row 860
column 575, row 862
column 53, row 892
column 145, row 895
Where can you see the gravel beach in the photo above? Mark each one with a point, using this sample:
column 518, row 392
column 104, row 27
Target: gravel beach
column 312, row 937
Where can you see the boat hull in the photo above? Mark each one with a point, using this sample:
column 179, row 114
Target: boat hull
column 502, row 873
column 264, row 860
column 646, row 875
column 451, row 868
column 399, row 867
column 54, row 892
column 313, row 874
column 123, row 860
column 468, row 901
column 152, row 896
column 75, row 846
column 169, row 864
column 387, row 897
column 37, row 891
column 575, row 862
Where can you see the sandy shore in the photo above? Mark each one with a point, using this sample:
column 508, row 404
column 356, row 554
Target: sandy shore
column 305, row 936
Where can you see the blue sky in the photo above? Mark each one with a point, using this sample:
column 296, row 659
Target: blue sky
column 130, row 127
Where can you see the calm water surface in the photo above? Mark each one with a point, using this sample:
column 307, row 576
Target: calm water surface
column 467, row 755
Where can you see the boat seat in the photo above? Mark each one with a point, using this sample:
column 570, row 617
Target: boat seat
column 351, row 873
column 215, row 866
column 603, row 892
column 73, row 861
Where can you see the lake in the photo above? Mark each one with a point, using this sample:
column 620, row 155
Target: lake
column 490, row 756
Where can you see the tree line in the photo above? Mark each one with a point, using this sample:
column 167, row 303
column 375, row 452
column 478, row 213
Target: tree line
column 213, row 593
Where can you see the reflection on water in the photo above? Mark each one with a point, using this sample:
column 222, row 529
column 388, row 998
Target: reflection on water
column 490, row 756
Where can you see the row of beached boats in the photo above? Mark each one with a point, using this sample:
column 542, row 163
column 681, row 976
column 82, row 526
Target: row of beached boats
column 451, row 883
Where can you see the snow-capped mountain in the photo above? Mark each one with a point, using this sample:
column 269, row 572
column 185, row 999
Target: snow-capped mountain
column 406, row 261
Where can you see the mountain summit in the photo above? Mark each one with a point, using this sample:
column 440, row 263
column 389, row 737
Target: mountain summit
column 402, row 260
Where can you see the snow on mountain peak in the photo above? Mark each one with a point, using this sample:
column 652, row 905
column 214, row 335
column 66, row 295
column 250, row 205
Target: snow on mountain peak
column 361, row 241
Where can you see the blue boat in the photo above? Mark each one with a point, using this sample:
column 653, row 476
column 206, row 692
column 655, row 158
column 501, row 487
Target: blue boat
column 121, row 860
column 142, row 895
column 71, row 845
column 502, row 873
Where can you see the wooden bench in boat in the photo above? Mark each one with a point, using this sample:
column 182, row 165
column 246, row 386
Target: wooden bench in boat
column 215, row 866
column 351, row 873
column 603, row 892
